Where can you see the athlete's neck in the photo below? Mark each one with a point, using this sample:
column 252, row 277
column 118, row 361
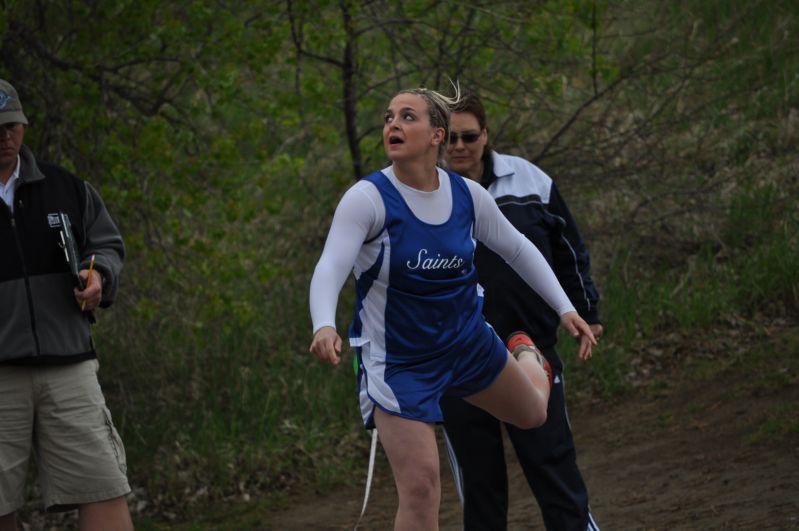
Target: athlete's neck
column 419, row 175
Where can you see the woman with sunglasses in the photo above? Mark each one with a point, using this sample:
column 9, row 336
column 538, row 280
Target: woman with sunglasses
column 408, row 234
column 531, row 201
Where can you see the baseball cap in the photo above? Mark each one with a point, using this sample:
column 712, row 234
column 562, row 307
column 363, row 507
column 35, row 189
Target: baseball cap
column 10, row 106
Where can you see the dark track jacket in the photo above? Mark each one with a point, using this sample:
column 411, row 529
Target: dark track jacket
column 40, row 321
column 532, row 203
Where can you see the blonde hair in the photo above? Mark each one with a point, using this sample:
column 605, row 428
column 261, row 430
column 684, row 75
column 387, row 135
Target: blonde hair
column 438, row 109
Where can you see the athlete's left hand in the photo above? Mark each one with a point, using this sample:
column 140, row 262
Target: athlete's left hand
column 579, row 330
column 89, row 297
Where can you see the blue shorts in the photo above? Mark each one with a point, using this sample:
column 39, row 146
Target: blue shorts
column 413, row 389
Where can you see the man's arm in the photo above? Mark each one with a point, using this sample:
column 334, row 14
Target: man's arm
column 104, row 241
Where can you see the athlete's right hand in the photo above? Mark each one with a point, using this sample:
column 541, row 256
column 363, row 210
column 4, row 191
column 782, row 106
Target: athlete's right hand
column 326, row 345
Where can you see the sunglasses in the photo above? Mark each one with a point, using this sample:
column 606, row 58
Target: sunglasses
column 468, row 138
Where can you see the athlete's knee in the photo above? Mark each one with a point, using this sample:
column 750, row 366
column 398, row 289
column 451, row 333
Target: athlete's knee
column 422, row 487
column 532, row 417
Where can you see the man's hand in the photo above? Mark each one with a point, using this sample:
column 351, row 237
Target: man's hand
column 326, row 345
column 89, row 298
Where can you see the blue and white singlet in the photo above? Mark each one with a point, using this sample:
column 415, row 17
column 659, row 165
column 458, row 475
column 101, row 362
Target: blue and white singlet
column 418, row 321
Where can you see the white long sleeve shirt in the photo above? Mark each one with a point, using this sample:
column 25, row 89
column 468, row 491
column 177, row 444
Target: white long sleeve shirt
column 360, row 215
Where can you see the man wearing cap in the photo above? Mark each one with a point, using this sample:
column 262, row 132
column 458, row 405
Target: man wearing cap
column 50, row 399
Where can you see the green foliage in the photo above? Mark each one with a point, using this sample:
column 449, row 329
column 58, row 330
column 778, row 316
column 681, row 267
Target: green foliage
column 754, row 267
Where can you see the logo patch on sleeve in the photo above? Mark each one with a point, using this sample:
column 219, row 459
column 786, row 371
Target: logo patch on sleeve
column 53, row 221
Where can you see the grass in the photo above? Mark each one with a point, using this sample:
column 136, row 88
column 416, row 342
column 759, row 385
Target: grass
column 213, row 414
column 780, row 424
column 752, row 269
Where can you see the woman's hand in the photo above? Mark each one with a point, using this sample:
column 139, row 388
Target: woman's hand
column 585, row 342
column 326, row 345
column 579, row 330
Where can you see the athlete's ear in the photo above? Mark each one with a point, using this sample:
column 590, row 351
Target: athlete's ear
column 438, row 135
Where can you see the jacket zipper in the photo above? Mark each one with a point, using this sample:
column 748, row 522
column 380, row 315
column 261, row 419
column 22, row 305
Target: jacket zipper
column 27, row 282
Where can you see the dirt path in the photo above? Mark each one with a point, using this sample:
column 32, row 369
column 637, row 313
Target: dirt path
column 717, row 451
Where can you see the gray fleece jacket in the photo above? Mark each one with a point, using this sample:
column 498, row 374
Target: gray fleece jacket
column 40, row 320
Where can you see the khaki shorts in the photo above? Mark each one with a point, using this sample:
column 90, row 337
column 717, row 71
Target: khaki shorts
column 58, row 412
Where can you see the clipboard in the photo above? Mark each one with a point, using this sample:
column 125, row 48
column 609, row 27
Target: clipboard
column 70, row 247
